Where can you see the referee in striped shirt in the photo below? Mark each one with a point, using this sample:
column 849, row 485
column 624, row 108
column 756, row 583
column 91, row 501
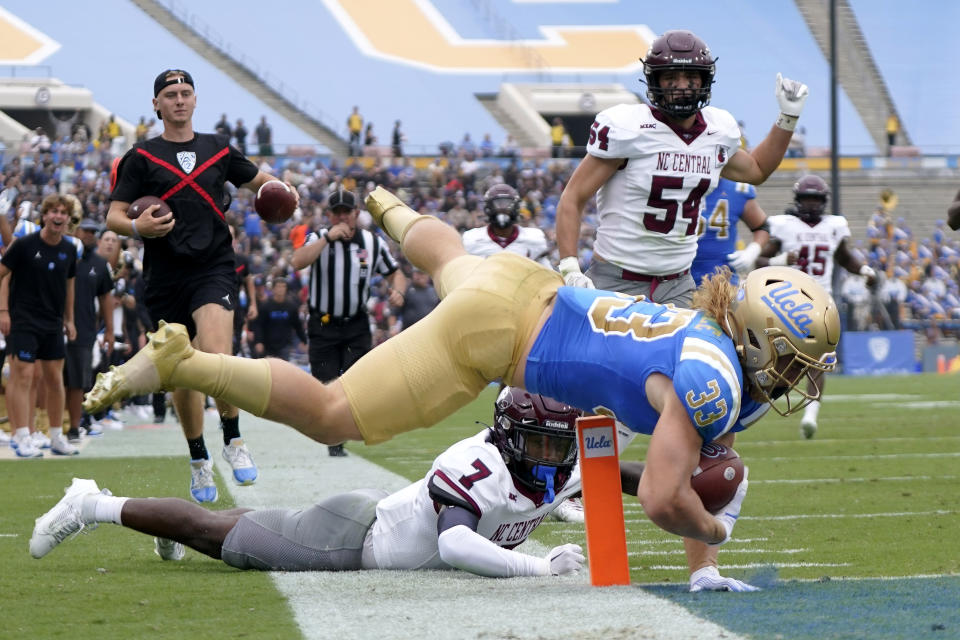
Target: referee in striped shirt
column 342, row 261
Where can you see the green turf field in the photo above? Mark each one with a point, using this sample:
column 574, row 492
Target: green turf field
column 872, row 496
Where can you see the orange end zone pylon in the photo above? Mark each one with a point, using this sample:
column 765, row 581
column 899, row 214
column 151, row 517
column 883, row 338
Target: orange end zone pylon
column 603, row 501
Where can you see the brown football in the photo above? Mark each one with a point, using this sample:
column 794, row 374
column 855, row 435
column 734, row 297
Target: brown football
column 275, row 202
column 140, row 204
column 717, row 476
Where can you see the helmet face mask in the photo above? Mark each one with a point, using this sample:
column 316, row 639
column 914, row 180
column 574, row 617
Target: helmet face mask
column 786, row 328
column 501, row 204
column 679, row 51
column 810, row 195
column 537, row 438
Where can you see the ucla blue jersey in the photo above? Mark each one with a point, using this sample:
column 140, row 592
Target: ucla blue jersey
column 597, row 349
column 722, row 210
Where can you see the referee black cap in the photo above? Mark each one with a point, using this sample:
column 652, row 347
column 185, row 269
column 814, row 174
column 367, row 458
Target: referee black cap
column 342, row 198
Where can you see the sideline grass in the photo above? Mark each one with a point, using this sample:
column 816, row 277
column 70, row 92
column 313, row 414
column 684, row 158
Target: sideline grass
column 110, row 584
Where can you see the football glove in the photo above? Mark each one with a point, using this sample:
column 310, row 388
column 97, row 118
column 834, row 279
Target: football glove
column 567, row 558
column 791, row 95
column 572, row 276
column 709, row 579
column 729, row 514
column 744, row 259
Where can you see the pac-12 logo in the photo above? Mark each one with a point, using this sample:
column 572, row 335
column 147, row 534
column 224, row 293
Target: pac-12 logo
column 598, row 442
column 791, row 306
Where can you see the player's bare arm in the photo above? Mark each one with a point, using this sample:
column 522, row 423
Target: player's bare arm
column 587, row 178
column 757, row 165
column 849, row 262
column 665, row 492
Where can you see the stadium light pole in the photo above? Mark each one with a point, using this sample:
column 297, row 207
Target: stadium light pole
column 834, row 142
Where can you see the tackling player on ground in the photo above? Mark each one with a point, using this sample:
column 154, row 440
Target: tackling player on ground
column 810, row 240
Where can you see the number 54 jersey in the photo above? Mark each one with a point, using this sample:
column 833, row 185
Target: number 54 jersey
column 597, row 349
column 650, row 208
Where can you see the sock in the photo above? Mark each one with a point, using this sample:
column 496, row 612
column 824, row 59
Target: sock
column 391, row 214
column 242, row 382
column 22, row 432
column 812, row 411
column 198, row 450
column 231, row 428
column 55, row 432
column 101, row 508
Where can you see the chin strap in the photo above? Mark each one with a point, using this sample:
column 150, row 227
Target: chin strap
column 546, row 475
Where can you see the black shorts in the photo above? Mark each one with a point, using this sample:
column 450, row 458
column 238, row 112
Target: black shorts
column 78, row 367
column 29, row 346
column 175, row 301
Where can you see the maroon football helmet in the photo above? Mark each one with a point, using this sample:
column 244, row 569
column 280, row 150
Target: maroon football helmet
column 502, row 205
column 679, row 50
column 810, row 195
column 537, row 437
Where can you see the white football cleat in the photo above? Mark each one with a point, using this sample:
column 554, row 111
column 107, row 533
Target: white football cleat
column 168, row 549
column 808, row 428
column 64, row 520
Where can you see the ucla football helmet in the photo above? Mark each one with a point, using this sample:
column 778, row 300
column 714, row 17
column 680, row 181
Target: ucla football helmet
column 786, row 328
column 537, row 437
column 679, row 50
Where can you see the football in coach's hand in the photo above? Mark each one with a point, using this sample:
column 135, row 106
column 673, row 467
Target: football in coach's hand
column 275, row 202
column 140, row 204
column 717, row 476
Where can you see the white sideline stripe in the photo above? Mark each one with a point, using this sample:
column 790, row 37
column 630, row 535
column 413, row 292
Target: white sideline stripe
column 808, row 516
column 875, row 456
column 870, row 397
column 780, row 443
column 845, row 480
column 295, row 472
column 726, row 552
column 9, row 535
column 756, row 565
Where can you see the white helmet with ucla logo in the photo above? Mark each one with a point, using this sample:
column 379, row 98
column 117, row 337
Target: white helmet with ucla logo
column 786, row 328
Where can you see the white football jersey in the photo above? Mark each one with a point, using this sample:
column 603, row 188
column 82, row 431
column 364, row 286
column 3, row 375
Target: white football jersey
column 529, row 242
column 649, row 209
column 814, row 245
column 472, row 471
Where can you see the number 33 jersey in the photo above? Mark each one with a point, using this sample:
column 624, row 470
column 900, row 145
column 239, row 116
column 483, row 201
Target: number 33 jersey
column 650, row 208
column 621, row 341
column 814, row 245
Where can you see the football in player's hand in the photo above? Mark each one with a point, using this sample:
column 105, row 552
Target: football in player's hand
column 717, row 476
column 139, row 205
column 275, row 202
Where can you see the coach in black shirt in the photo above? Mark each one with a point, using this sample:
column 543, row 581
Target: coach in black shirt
column 342, row 261
column 188, row 259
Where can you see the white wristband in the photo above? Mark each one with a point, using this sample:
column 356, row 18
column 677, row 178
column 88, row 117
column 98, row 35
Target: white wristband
column 136, row 234
column 570, row 264
column 787, row 123
column 779, row 260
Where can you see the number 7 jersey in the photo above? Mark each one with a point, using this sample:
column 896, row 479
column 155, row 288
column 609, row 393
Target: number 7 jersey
column 649, row 208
